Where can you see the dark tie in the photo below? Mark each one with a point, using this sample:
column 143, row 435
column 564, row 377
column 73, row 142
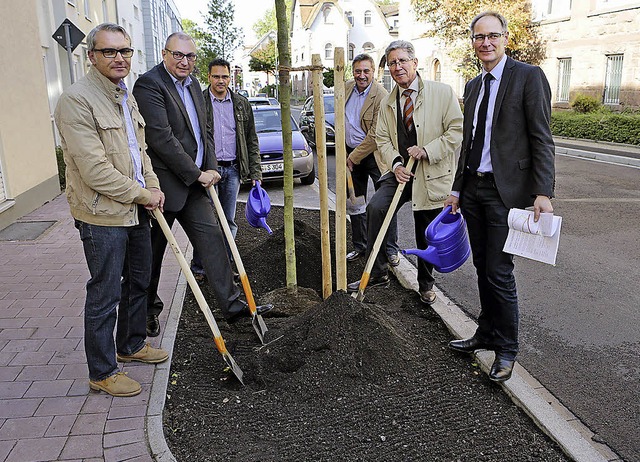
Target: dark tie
column 408, row 110
column 475, row 154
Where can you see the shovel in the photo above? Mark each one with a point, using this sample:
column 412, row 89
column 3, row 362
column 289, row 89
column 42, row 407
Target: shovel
column 355, row 204
column 364, row 280
column 256, row 320
column 202, row 303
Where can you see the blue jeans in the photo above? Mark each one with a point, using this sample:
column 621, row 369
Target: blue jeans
column 227, row 189
column 119, row 261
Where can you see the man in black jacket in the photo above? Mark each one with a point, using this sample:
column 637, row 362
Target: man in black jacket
column 180, row 145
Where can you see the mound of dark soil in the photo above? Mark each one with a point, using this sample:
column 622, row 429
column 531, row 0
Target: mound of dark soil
column 337, row 379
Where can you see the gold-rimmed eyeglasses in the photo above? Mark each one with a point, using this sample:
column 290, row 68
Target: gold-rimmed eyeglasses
column 399, row 62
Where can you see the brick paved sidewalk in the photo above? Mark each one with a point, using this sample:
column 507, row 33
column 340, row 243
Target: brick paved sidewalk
column 47, row 411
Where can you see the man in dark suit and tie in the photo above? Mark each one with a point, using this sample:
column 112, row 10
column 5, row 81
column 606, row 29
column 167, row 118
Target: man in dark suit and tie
column 507, row 161
column 180, row 145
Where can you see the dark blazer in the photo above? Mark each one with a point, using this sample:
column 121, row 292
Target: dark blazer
column 247, row 145
column 522, row 148
column 171, row 142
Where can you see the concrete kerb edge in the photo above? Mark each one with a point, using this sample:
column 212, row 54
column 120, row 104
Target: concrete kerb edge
column 521, row 393
column 571, row 152
column 155, row 430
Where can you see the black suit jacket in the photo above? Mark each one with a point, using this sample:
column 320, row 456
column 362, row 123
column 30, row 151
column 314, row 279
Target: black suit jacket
column 522, row 148
column 171, row 141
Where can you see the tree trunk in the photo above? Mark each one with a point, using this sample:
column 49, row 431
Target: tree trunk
column 284, row 58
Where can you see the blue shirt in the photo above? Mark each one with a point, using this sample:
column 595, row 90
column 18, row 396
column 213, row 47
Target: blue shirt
column 134, row 150
column 185, row 96
column 224, row 127
column 353, row 131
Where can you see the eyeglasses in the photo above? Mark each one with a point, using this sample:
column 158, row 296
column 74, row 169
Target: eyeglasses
column 399, row 62
column 112, row 52
column 179, row 56
column 219, row 77
column 480, row 38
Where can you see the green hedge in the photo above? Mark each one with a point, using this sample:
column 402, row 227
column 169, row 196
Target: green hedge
column 598, row 126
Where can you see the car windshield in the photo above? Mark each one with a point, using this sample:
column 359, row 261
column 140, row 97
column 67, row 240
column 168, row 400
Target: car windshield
column 328, row 104
column 270, row 121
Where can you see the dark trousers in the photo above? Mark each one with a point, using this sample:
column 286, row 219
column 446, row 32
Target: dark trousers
column 199, row 222
column 360, row 175
column 119, row 258
column 486, row 217
column 376, row 212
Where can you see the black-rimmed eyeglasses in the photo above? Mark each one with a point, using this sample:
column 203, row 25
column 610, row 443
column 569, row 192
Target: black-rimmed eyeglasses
column 179, row 56
column 480, row 38
column 113, row 52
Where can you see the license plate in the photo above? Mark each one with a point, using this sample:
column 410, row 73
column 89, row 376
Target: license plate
column 277, row 167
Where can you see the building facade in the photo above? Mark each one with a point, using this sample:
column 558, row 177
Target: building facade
column 593, row 48
column 318, row 27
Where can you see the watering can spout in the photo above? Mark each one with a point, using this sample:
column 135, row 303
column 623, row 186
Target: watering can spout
column 263, row 223
column 429, row 254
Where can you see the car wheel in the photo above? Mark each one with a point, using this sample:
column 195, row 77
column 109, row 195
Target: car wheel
column 309, row 179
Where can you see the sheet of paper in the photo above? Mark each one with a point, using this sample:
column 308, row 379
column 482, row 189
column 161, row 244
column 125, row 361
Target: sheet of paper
column 537, row 241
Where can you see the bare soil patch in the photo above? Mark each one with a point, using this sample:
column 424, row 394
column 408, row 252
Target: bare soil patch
column 338, row 379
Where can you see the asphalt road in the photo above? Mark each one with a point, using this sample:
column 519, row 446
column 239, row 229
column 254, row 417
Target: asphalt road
column 579, row 329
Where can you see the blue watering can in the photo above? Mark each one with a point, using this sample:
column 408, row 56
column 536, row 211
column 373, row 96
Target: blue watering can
column 448, row 242
column 258, row 207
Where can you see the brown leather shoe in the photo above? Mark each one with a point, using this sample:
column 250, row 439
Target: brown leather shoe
column 117, row 384
column 428, row 296
column 393, row 259
column 147, row 354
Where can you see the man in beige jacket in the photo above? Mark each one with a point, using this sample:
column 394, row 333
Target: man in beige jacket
column 419, row 119
column 110, row 187
column 363, row 97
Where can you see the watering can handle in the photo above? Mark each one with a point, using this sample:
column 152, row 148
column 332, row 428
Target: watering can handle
column 431, row 229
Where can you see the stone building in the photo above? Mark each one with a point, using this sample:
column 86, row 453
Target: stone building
column 593, row 48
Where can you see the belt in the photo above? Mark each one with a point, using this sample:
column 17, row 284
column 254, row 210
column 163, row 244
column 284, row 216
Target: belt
column 226, row 163
column 483, row 175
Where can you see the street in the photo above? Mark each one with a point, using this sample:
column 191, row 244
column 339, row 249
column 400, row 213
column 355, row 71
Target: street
column 579, row 331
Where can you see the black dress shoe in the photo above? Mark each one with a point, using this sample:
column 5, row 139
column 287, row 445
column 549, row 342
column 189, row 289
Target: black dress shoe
column 379, row 281
column 244, row 312
column 501, row 369
column 355, row 255
column 153, row 325
column 469, row 345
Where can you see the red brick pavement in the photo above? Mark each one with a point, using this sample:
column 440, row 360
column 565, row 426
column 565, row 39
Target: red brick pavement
column 47, row 411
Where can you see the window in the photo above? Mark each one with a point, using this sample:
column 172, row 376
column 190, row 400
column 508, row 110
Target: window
column 387, row 82
column 328, row 51
column 326, row 12
column 437, row 71
column 136, row 12
column 564, row 79
column 352, row 49
column 349, row 16
column 87, row 11
column 613, row 79
column 367, row 47
column 367, row 18
column 105, row 11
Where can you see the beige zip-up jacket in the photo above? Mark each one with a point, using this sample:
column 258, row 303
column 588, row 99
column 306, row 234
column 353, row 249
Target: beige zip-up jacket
column 438, row 121
column 101, row 189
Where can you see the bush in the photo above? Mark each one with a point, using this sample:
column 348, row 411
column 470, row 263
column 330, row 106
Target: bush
column 585, row 104
column 62, row 177
column 599, row 126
